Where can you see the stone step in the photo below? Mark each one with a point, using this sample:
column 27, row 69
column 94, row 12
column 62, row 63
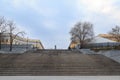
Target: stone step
column 39, row 70
column 57, row 62
column 56, row 73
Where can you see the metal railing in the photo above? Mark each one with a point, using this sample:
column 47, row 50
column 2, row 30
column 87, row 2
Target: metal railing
column 101, row 45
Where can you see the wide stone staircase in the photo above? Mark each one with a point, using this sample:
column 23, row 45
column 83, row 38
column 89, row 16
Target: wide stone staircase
column 57, row 63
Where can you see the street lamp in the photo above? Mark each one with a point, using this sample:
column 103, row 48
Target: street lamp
column 27, row 44
column 36, row 44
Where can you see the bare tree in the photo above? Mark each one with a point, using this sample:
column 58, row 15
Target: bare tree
column 82, row 32
column 115, row 32
column 13, row 33
column 2, row 28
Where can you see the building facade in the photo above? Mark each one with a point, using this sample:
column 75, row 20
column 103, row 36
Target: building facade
column 5, row 40
column 108, row 36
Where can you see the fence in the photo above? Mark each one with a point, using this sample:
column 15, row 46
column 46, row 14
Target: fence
column 101, row 45
column 6, row 47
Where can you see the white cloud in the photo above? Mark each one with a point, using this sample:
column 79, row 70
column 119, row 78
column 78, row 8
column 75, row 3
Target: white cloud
column 36, row 6
column 49, row 24
column 22, row 3
column 96, row 5
column 105, row 7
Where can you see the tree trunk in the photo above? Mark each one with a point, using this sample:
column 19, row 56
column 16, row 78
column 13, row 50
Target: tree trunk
column 10, row 47
column 11, row 41
column 0, row 40
column 81, row 44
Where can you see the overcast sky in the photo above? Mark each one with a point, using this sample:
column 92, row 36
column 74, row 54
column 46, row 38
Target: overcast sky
column 51, row 20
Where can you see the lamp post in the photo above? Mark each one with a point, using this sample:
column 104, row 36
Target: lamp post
column 55, row 47
column 36, row 44
column 27, row 44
